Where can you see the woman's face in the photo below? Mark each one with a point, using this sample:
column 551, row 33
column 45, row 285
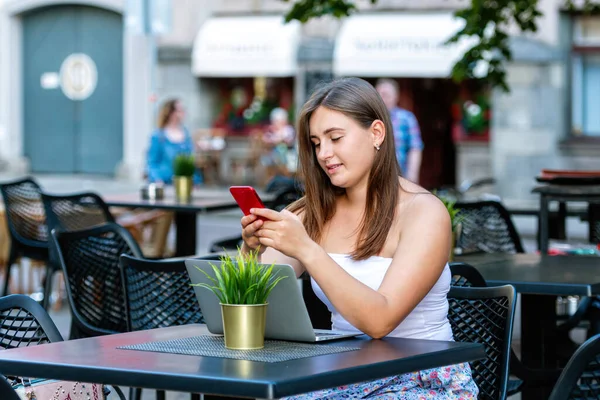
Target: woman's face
column 345, row 150
column 178, row 113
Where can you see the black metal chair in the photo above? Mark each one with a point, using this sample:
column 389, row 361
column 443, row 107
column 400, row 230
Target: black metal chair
column 72, row 212
column 90, row 262
column 6, row 390
column 26, row 222
column 466, row 275
column 485, row 315
column 486, row 226
column 158, row 293
column 24, row 323
column 77, row 211
column 580, row 379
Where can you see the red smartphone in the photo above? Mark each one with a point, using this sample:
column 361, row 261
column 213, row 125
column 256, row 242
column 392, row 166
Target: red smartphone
column 246, row 197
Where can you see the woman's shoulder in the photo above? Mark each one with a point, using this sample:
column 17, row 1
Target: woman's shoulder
column 157, row 134
column 419, row 205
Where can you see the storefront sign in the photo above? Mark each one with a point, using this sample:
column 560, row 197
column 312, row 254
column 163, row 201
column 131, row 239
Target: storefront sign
column 246, row 47
column 398, row 45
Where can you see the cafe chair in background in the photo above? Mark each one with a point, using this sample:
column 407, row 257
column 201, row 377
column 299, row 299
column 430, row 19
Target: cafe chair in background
column 24, row 323
column 71, row 212
column 26, row 222
column 149, row 228
column 580, row 379
column 90, row 263
column 6, row 390
column 158, row 294
column 485, row 315
column 466, row 275
column 486, row 226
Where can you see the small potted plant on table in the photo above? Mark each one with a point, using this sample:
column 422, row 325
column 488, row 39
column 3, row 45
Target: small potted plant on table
column 243, row 286
column 184, row 168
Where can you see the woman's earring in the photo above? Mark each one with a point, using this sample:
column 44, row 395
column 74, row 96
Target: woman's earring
column 377, row 146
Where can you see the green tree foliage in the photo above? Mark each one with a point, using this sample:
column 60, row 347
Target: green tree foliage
column 485, row 20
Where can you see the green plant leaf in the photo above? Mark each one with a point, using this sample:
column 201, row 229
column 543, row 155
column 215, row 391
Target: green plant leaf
column 242, row 280
column 184, row 165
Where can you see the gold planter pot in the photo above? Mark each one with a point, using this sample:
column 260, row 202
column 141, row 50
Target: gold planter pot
column 244, row 325
column 183, row 188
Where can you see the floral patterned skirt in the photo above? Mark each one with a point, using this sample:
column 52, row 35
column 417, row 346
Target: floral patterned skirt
column 452, row 382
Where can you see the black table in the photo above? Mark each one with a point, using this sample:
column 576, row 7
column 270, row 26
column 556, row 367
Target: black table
column 539, row 279
column 539, row 274
column 185, row 213
column 562, row 194
column 97, row 360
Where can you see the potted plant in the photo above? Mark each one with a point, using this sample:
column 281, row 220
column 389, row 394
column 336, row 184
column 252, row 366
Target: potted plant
column 455, row 220
column 242, row 285
column 184, row 168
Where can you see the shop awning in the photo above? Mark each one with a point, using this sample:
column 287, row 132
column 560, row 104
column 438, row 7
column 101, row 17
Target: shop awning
column 397, row 45
column 246, row 47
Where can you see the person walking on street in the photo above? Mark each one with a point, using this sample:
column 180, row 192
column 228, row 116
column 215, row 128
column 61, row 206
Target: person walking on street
column 407, row 135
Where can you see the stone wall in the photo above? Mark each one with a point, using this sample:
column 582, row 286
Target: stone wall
column 527, row 126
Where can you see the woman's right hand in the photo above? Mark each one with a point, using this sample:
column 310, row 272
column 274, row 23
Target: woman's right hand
column 250, row 225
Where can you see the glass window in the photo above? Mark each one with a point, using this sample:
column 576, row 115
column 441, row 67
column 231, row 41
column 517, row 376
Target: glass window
column 587, row 31
column 585, row 85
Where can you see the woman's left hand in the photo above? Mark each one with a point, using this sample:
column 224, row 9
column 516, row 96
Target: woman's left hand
column 283, row 231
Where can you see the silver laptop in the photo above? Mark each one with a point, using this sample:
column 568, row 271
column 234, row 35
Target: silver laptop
column 287, row 317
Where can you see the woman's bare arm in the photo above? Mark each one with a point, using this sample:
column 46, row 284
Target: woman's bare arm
column 417, row 264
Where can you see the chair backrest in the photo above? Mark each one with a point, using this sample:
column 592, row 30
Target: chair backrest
column 466, row 275
column 485, row 315
column 158, row 293
column 6, row 390
column 486, row 226
column 25, row 213
column 580, row 379
column 74, row 212
column 90, row 262
column 24, row 322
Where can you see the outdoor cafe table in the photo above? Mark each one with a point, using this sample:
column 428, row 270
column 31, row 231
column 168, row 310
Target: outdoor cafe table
column 539, row 279
column 99, row 360
column 185, row 213
column 562, row 194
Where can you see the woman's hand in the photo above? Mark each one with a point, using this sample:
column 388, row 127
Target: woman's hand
column 284, row 232
column 250, row 225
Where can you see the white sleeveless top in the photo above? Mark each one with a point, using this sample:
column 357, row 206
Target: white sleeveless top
column 427, row 321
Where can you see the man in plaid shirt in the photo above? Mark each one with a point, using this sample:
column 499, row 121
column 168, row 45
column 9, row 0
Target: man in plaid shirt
column 407, row 135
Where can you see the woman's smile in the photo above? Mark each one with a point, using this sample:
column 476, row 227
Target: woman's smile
column 332, row 168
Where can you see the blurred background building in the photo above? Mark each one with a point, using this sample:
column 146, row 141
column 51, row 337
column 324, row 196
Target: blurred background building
column 80, row 82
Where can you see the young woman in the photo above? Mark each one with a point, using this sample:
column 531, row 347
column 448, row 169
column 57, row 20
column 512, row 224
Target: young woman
column 170, row 139
column 375, row 245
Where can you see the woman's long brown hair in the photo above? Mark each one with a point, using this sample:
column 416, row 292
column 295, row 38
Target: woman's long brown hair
column 166, row 111
column 358, row 100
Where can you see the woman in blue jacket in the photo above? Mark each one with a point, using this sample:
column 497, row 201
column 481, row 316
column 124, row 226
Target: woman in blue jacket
column 170, row 139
